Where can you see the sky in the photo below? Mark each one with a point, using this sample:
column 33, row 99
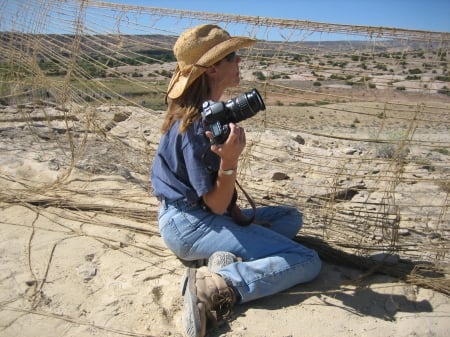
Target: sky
column 431, row 15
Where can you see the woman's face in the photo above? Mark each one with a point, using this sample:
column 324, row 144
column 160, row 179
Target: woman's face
column 226, row 73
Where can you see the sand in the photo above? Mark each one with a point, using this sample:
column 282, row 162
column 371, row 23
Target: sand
column 81, row 254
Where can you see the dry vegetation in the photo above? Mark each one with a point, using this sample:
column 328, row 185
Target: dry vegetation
column 356, row 134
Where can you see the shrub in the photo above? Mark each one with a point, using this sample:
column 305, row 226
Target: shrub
column 445, row 91
column 415, row 71
column 444, row 185
column 443, row 78
column 442, row 150
column 393, row 145
column 259, row 75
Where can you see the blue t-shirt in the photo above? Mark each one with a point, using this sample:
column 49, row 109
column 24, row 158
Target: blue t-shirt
column 184, row 168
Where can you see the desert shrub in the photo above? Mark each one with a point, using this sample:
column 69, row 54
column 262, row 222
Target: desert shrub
column 259, row 75
column 442, row 150
column 425, row 164
column 413, row 77
column 444, row 185
column 445, row 91
column 415, row 71
column 393, row 145
column 164, row 73
column 337, row 77
column 304, row 104
column 381, row 66
column 317, row 84
column 443, row 78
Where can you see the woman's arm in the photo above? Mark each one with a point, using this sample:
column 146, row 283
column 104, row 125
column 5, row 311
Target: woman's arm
column 220, row 196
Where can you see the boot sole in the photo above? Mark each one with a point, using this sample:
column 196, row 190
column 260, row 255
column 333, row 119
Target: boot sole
column 194, row 312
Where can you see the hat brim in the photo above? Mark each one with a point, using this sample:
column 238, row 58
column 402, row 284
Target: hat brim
column 179, row 83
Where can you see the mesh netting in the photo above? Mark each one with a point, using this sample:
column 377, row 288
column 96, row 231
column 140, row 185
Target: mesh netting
column 356, row 131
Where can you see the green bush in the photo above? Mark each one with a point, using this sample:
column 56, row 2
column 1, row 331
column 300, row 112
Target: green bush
column 442, row 150
column 393, row 145
column 259, row 75
column 444, row 91
column 415, row 71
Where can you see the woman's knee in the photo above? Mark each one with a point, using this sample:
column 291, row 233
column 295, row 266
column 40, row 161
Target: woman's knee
column 314, row 266
column 309, row 263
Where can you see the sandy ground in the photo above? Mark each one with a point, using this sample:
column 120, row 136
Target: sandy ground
column 81, row 255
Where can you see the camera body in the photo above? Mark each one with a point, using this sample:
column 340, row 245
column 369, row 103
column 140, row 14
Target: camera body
column 217, row 115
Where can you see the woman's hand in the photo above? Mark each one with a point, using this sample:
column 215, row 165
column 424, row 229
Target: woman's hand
column 230, row 151
column 220, row 196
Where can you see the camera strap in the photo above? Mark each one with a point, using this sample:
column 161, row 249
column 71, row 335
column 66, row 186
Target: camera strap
column 236, row 212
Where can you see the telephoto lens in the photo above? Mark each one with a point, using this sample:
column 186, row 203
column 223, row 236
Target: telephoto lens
column 217, row 115
column 245, row 106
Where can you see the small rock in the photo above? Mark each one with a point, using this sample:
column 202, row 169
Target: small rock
column 121, row 116
column 89, row 257
column 350, row 150
column 53, row 164
column 299, row 139
column 31, row 283
column 87, row 271
column 403, row 231
column 434, row 237
column 280, row 176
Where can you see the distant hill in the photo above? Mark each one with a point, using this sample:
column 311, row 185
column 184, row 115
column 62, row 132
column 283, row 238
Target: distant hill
column 142, row 44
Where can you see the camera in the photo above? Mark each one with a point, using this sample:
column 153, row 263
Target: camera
column 217, row 115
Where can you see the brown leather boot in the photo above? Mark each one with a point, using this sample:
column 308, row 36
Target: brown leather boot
column 207, row 298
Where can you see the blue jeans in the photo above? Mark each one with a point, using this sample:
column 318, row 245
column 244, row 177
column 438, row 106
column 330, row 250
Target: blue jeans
column 271, row 260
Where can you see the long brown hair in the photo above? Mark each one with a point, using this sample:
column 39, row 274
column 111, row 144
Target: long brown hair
column 187, row 106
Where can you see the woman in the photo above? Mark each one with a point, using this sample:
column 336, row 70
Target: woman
column 195, row 184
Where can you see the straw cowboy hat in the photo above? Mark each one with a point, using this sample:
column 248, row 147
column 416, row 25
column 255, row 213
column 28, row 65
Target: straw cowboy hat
column 199, row 48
